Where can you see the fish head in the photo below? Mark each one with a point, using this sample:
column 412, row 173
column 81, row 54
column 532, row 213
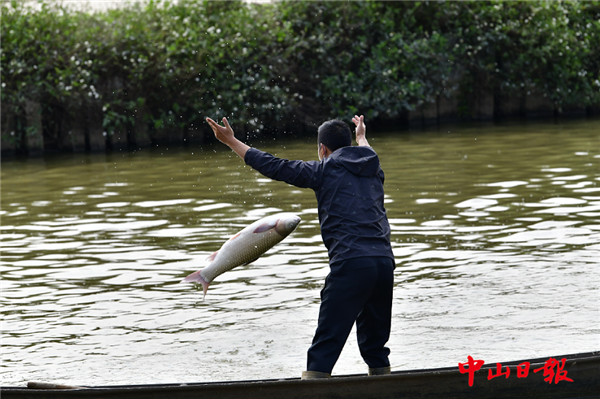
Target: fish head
column 287, row 223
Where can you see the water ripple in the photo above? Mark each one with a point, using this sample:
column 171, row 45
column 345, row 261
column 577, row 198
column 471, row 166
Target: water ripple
column 496, row 244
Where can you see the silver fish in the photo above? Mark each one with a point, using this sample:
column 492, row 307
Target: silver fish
column 246, row 246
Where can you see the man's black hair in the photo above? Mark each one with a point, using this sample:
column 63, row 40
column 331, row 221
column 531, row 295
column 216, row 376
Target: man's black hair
column 334, row 134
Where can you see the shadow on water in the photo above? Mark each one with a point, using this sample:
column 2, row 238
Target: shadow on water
column 495, row 228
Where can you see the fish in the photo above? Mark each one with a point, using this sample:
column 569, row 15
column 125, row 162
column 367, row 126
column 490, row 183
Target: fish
column 245, row 247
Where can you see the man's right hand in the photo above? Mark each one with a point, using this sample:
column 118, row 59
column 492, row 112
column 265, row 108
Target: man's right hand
column 361, row 130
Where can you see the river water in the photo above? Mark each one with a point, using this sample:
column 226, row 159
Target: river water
column 495, row 228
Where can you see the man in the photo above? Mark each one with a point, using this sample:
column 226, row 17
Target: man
column 348, row 183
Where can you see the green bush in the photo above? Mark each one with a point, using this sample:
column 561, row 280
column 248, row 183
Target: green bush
column 164, row 67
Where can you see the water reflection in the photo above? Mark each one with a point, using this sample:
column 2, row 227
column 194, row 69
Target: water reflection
column 496, row 231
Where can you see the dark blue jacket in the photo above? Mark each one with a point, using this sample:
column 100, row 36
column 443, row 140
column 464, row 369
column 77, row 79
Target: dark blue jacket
column 349, row 189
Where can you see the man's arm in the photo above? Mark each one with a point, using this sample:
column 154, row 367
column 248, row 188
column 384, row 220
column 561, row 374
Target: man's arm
column 225, row 135
column 298, row 173
column 361, row 130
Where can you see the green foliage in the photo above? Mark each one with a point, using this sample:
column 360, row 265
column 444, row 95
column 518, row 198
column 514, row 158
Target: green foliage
column 366, row 56
column 527, row 47
column 168, row 65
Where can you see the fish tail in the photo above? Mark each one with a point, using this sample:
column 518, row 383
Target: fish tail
column 196, row 277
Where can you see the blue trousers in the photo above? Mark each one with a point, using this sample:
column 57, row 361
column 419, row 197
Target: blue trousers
column 357, row 290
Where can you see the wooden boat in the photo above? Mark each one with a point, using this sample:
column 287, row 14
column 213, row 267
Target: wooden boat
column 582, row 368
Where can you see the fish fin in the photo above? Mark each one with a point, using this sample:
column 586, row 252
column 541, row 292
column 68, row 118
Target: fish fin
column 235, row 236
column 196, row 277
column 265, row 227
column 212, row 256
column 253, row 260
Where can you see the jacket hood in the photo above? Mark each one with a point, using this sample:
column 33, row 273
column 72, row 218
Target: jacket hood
column 360, row 160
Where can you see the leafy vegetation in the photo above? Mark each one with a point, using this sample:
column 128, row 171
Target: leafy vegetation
column 158, row 69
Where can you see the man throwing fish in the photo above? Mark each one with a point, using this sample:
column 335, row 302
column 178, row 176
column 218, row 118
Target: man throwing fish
column 348, row 183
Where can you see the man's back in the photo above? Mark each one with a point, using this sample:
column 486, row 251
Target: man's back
column 351, row 205
column 349, row 189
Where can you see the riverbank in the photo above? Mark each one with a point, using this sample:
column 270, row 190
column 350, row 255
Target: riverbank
column 148, row 74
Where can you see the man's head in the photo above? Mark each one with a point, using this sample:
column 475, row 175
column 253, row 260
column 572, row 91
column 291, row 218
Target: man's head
column 334, row 134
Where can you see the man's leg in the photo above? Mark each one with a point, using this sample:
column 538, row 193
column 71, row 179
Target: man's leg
column 342, row 299
column 373, row 324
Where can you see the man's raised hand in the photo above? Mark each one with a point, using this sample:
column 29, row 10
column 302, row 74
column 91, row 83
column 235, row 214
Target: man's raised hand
column 226, row 136
column 361, row 130
column 223, row 133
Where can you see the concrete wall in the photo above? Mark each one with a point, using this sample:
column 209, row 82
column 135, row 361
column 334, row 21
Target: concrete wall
column 485, row 107
column 83, row 131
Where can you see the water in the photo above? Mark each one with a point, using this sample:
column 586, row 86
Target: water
column 496, row 232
